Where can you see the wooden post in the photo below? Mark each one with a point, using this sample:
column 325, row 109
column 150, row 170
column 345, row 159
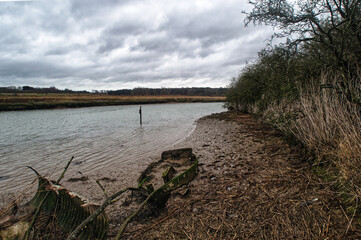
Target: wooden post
column 140, row 115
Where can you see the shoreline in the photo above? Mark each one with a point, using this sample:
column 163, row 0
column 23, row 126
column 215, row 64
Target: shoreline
column 38, row 102
column 251, row 185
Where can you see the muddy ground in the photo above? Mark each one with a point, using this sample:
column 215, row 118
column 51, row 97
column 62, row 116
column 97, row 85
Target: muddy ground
column 251, row 185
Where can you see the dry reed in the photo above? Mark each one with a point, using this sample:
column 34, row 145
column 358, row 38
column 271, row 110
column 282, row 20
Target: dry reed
column 327, row 124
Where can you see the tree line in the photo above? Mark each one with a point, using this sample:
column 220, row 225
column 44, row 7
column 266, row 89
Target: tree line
column 323, row 36
column 125, row 92
column 171, row 91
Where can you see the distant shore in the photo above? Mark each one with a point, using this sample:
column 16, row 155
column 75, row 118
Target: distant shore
column 34, row 101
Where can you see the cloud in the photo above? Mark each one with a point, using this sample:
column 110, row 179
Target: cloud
column 115, row 44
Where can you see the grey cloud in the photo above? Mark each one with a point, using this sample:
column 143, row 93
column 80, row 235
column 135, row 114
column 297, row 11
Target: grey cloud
column 74, row 43
column 211, row 26
column 57, row 51
column 86, row 8
column 33, row 69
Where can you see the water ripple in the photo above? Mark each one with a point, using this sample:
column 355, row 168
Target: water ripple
column 99, row 138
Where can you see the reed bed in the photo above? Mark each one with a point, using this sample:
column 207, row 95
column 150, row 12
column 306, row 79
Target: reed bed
column 329, row 126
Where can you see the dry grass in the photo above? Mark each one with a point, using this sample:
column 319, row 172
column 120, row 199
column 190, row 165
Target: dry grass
column 332, row 128
column 328, row 125
column 39, row 101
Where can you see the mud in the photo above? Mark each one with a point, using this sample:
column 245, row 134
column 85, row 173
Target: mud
column 251, row 185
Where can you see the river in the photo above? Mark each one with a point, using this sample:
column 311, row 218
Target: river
column 98, row 137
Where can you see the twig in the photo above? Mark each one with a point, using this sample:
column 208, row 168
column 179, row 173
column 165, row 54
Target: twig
column 65, row 169
column 344, row 213
column 349, row 224
column 187, row 235
column 105, row 193
column 27, row 234
column 207, row 232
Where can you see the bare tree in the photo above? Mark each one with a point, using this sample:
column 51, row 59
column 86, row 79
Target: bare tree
column 334, row 24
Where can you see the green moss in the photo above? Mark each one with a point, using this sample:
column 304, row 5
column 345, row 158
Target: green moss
column 343, row 188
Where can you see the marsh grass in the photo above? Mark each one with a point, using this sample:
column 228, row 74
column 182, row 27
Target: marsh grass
column 329, row 126
column 28, row 101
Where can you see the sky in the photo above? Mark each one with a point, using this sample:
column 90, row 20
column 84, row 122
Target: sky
column 123, row 44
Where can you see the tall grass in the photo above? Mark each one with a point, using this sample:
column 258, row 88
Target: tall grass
column 327, row 124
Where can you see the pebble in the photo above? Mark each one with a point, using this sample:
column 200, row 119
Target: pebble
column 78, row 162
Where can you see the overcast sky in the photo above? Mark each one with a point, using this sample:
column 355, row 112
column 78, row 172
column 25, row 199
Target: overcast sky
column 116, row 44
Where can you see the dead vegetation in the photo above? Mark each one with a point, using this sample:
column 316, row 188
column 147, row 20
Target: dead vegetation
column 329, row 126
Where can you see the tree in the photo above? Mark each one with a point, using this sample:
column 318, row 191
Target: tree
column 334, row 24
column 330, row 29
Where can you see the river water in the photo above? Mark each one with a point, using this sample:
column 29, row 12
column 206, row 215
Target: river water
column 98, row 137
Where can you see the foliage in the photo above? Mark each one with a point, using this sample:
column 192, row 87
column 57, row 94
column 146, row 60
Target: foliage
column 332, row 24
column 309, row 87
column 277, row 74
column 322, row 35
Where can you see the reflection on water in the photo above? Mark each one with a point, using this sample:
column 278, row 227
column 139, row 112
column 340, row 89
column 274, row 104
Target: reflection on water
column 98, row 137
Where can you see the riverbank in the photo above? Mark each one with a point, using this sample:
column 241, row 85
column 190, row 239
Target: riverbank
column 33, row 101
column 251, row 185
